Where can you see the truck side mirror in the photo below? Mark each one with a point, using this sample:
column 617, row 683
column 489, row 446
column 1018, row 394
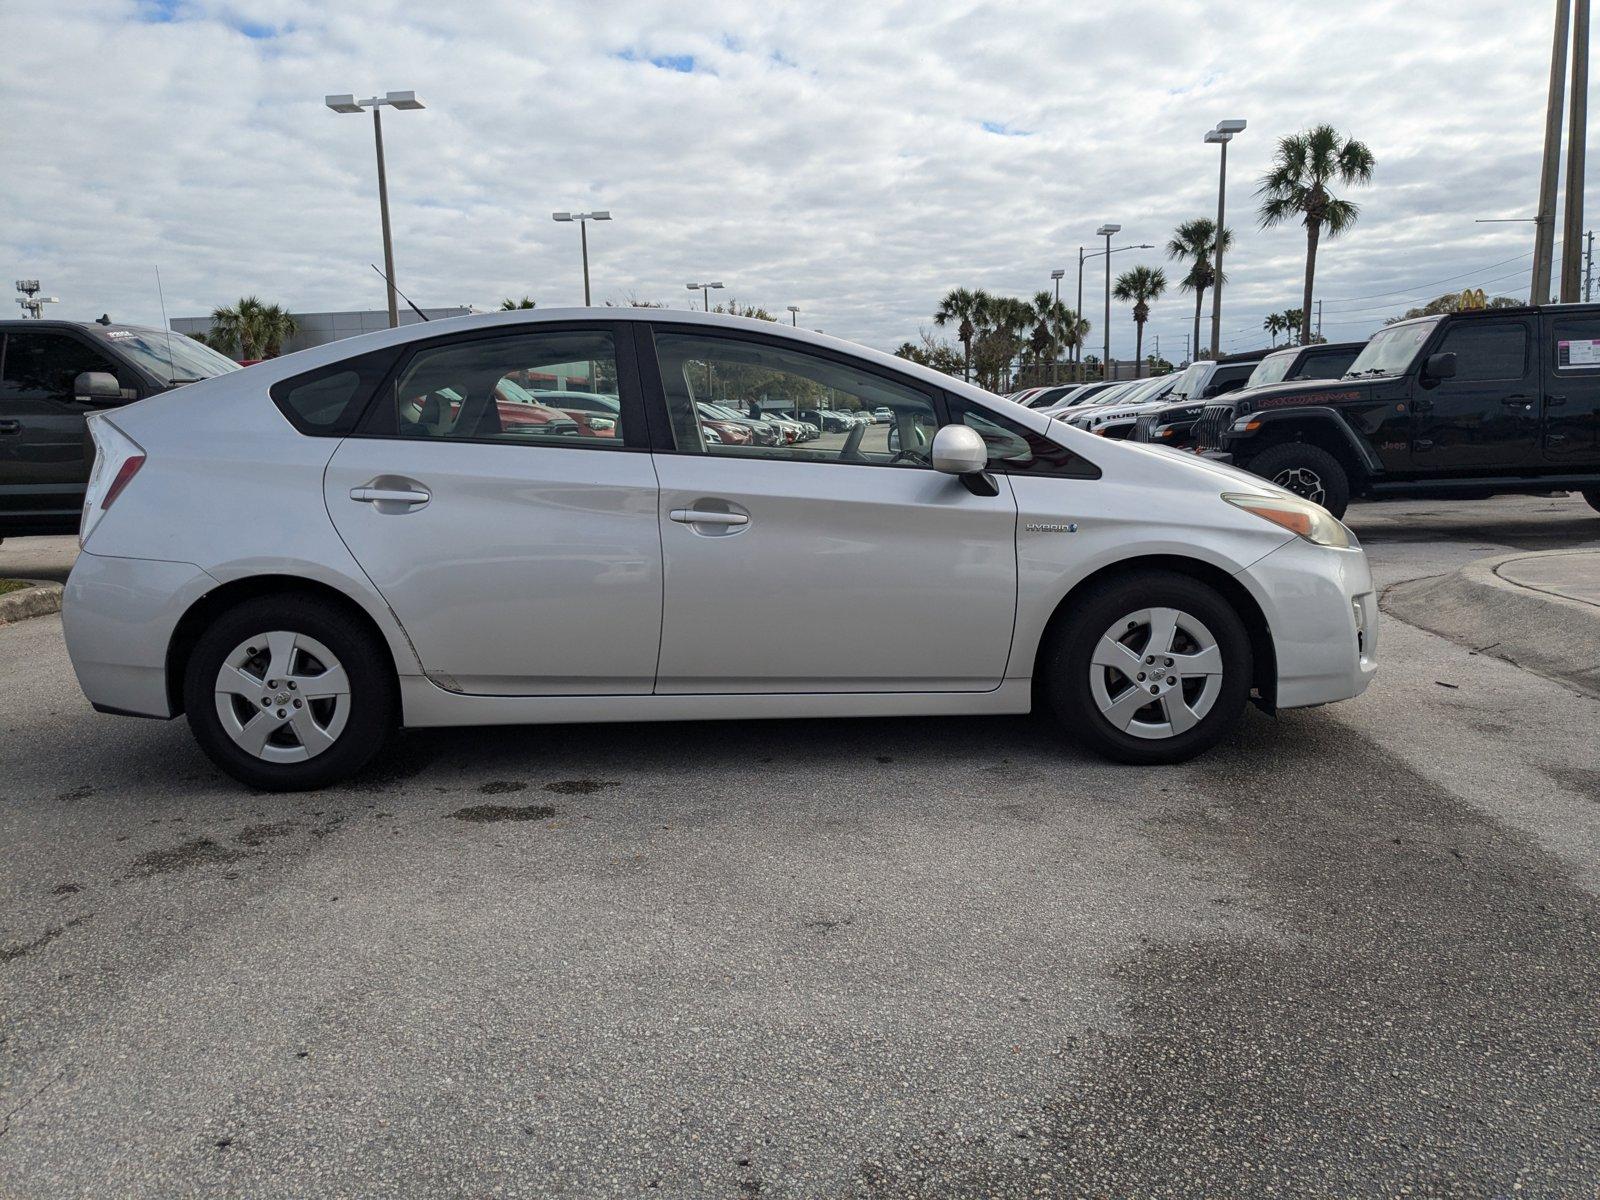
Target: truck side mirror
column 97, row 387
column 1440, row 366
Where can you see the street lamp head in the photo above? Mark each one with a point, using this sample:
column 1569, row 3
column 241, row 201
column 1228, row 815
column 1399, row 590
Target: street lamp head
column 712, row 285
column 1107, row 230
column 603, row 215
column 1215, row 138
column 342, row 104
column 1058, row 273
column 403, row 100
column 1235, row 125
column 561, row 216
column 794, row 308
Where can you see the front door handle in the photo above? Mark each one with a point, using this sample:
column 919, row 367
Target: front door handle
column 1518, row 402
column 697, row 516
column 10, row 427
column 378, row 495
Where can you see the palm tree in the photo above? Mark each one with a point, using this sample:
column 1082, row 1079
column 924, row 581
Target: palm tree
column 1050, row 332
column 1291, row 325
column 1009, row 320
column 1195, row 242
column 510, row 305
column 967, row 309
column 1296, row 188
column 249, row 329
column 277, row 326
column 1274, row 325
column 1139, row 286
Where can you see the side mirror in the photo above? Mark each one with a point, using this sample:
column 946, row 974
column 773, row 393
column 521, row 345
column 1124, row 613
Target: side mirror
column 1440, row 366
column 97, row 387
column 958, row 450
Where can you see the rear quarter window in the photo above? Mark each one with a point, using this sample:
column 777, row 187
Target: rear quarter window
column 329, row 401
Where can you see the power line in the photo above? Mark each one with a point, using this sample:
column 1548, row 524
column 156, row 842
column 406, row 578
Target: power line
column 1433, row 283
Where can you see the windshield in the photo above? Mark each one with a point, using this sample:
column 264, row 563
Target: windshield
column 173, row 358
column 1391, row 350
column 1189, row 382
column 1274, row 368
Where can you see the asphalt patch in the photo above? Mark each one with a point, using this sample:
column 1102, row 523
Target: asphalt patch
column 579, row 787
column 482, row 814
column 256, row 835
column 197, row 852
column 12, row 953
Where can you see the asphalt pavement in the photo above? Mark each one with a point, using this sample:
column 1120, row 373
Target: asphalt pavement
column 1355, row 952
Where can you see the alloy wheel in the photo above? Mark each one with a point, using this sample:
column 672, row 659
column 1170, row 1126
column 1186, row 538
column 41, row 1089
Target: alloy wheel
column 1156, row 673
column 1304, row 482
column 282, row 697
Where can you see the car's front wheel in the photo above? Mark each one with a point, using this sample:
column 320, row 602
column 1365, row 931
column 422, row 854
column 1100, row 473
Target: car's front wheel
column 1153, row 667
column 287, row 692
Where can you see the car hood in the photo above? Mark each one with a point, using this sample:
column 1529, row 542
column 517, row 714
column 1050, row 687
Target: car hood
column 1303, row 391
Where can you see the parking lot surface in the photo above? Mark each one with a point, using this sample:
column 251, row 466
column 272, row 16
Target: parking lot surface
column 1353, row 952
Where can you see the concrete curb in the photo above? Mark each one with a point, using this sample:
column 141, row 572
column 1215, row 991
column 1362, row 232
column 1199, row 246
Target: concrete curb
column 1527, row 627
column 37, row 600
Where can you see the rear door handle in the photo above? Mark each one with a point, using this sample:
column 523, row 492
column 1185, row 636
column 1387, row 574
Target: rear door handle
column 1518, row 402
column 377, row 495
column 10, row 427
column 696, row 516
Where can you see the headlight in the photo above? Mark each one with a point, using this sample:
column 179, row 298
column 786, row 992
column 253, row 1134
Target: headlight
column 1310, row 521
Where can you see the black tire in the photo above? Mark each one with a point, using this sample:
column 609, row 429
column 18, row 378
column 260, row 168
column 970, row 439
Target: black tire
column 1592, row 497
column 1294, row 463
column 1068, row 662
column 373, row 695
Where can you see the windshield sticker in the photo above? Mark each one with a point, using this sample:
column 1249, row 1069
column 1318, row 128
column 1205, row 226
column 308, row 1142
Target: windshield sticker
column 1584, row 352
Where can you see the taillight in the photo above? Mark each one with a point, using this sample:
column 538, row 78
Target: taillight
column 117, row 459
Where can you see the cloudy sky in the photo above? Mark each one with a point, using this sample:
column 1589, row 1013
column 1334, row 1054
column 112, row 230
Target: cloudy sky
column 855, row 159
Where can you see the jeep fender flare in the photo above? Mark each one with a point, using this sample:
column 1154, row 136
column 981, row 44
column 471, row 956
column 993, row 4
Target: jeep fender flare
column 1325, row 420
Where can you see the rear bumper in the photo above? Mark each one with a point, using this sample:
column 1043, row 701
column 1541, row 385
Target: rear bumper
column 118, row 615
column 1323, row 612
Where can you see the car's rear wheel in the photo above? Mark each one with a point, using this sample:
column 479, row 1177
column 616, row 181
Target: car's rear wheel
column 1154, row 667
column 1592, row 495
column 287, row 692
column 1307, row 471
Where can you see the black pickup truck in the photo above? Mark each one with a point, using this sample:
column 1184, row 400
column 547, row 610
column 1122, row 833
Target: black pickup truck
column 1467, row 405
column 52, row 374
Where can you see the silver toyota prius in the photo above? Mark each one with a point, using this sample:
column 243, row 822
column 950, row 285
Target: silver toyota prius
column 411, row 529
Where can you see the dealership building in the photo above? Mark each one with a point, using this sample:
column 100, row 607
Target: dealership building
column 320, row 328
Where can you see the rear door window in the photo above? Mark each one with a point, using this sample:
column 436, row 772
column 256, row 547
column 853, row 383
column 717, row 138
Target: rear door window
column 40, row 368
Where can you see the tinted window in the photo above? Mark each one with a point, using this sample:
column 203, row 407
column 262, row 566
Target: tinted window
column 1487, row 350
column 1330, row 365
column 1018, row 451
column 507, row 389
column 717, row 389
column 1229, row 379
column 42, row 366
column 1577, row 343
column 329, row 401
column 1274, row 368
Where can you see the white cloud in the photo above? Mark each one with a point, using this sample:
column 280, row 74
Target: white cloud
column 856, row 160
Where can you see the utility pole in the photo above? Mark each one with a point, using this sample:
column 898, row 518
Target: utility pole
column 1577, row 133
column 1545, row 221
column 1588, row 265
column 1319, row 318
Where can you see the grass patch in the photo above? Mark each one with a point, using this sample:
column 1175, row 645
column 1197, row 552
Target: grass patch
column 13, row 585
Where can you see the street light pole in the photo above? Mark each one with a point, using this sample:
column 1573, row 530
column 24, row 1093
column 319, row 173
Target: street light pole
column 794, row 316
column 1077, row 341
column 705, row 291
column 583, row 220
column 1055, row 329
column 349, row 104
column 1221, row 135
column 1544, row 237
column 1106, row 231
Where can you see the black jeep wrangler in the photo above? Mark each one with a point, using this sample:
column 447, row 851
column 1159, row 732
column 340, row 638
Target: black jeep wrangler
column 1469, row 404
column 1172, row 425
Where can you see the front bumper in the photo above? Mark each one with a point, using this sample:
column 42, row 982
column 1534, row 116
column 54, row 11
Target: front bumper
column 118, row 615
column 1322, row 609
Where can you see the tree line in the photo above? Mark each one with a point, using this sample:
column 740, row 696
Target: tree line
column 996, row 333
